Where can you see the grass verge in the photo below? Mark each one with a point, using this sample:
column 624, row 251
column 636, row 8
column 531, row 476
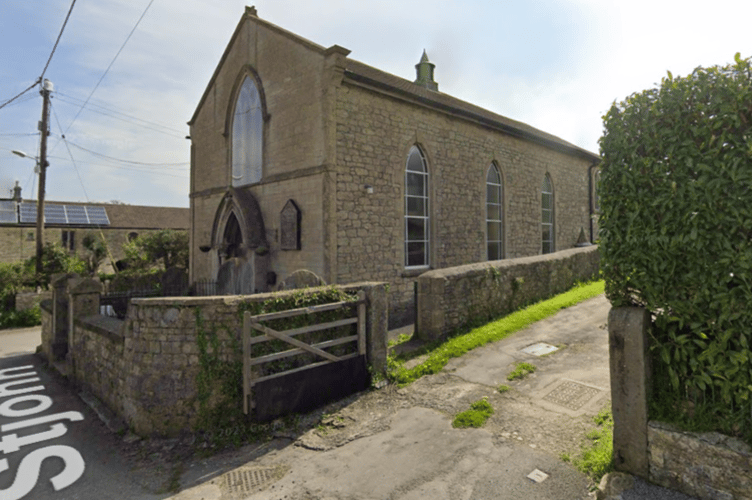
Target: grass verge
column 476, row 416
column 492, row 332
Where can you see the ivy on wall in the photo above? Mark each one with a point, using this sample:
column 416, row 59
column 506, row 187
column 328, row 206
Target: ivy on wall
column 219, row 382
column 676, row 237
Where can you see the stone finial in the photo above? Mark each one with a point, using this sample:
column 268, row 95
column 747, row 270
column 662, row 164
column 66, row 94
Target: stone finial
column 425, row 73
column 582, row 240
column 251, row 11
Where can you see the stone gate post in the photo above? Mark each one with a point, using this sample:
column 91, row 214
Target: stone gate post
column 57, row 343
column 630, row 386
column 83, row 301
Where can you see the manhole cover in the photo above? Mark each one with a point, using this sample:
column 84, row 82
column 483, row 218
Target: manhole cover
column 251, row 480
column 571, row 395
column 539, row 349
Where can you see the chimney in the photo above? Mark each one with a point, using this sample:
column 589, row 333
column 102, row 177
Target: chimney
column 425, row 73
column 17, row 193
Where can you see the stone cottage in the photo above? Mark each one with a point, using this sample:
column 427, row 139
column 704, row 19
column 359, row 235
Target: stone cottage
column 69, row 223
column 303, row 158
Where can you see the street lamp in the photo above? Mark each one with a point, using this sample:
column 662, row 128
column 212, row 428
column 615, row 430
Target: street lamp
column 38, row 169
column 24, row 155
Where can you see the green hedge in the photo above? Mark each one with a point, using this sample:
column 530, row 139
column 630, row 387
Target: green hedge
column 676, row 237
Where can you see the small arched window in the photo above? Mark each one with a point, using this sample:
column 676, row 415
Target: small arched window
column 547, row 215
column 416, row 210
column 247, row 135
column 494, row 214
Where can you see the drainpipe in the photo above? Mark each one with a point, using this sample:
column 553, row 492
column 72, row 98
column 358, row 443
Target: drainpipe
column 591, row 199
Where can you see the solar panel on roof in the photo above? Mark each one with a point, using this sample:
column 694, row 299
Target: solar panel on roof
column 8, row 212
column 27, row 213
column 97, row 215
column 80, row 215
column 76, row 214
column 55, row 214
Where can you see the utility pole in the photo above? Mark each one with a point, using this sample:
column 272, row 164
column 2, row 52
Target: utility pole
column 44, row 128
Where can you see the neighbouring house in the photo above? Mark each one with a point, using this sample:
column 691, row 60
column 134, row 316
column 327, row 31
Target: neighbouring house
column 303, row 158
column 68, row 223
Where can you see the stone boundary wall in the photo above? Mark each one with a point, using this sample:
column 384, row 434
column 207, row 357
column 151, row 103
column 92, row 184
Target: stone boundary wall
column 710, row 466
column 144, row 368
column 453, row 297
column 28, row 300
column 705, row 465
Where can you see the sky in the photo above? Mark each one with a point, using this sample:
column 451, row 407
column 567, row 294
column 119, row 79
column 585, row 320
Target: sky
column 557, row 65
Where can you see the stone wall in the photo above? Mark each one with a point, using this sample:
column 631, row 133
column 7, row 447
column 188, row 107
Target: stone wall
column 29, row 300
column 146, row 366
column 450, row 298
column 710, row 465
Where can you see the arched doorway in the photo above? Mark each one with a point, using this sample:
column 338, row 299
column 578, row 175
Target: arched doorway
column 240, row 246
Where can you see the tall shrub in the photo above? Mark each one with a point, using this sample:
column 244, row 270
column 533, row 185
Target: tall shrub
column 676, row 235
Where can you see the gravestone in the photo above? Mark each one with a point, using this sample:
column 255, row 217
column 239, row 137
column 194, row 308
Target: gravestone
column 226, row 279
column 245, row 279
column 302, row 278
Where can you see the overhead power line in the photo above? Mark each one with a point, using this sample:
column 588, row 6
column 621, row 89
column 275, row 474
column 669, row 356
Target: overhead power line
column 19, row 95
column 108, row 67
column 126, row 161
column 119, row 115
column 49, row 59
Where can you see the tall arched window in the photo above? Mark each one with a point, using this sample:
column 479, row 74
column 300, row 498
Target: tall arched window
column 247, row 135
column 416, row 209
column 494, row 214
column 547, row 215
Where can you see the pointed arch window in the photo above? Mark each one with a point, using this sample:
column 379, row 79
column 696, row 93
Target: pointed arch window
column 416, row 210
column 494, row 214
column 247, row 135
column 547, row 215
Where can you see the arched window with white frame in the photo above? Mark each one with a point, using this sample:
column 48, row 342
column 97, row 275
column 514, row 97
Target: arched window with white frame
column 494, row 214
column 417, row 218
column 247, row 135
column 547, row 215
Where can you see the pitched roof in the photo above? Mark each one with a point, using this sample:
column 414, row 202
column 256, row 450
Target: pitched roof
column 362, row 73
column 144, row 217
column 369, row 76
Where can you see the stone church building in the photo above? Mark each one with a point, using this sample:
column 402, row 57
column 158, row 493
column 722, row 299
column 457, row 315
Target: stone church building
column 303, row 158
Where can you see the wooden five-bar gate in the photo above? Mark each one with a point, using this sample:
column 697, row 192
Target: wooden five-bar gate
column 338, row 370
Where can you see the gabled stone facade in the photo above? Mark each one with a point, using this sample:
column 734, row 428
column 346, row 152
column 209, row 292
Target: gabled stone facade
column 336, row 138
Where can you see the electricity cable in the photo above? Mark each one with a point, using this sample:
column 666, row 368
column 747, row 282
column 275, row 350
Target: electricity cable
column 77, row 102
column 19, row 95
column 107, row 70
column 49, row 59
column 86, row 195
column 162, row 164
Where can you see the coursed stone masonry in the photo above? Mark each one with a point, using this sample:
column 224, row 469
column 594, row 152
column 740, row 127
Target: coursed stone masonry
column 450, row 298
column 145, row 367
